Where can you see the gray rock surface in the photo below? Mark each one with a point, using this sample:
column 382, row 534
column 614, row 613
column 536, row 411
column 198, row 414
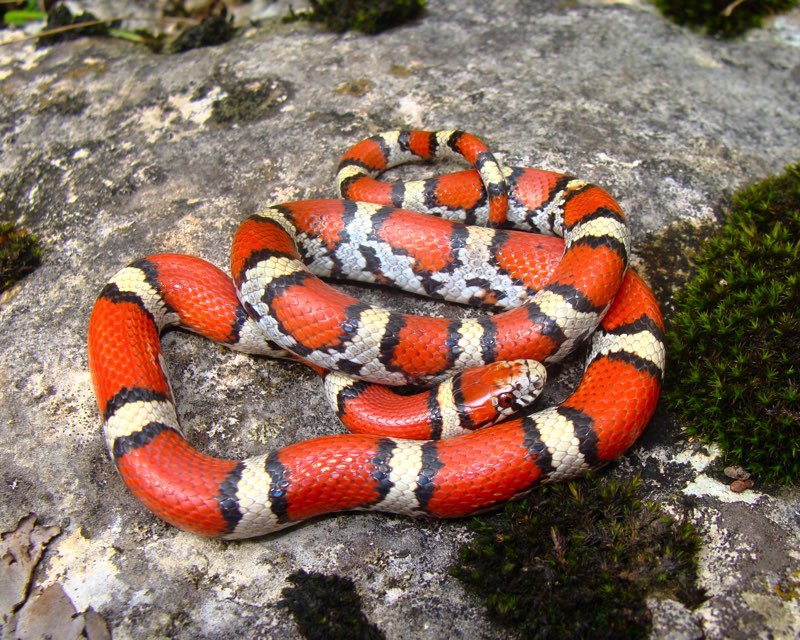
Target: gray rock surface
column 110, row 153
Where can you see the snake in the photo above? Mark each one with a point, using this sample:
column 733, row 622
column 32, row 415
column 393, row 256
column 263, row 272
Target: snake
column 467, row 439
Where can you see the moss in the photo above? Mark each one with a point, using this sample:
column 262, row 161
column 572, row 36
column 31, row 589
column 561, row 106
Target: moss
column 668, row 257
column 19, row 254
column 788, row 589
column 356, row 88
column 63, row 103
column 248, row 100
column 726, row 18
column 213, row 30
column 60, row 16
column 367, row 16
column 578, row 560
column 327, row 608
column 734, row 343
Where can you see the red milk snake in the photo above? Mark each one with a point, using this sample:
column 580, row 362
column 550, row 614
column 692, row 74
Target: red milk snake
column 555, row 293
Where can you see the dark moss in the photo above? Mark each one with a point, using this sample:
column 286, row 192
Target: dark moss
column 19, row 254
column 213, row 30
column 60, row 16
column 249, row 100
column 357, row 88
column 63, row 103
column 327, row 608
column 578, row 560
column 367, row 16
column 669, row 258
column 726, row 18
column 734, row 344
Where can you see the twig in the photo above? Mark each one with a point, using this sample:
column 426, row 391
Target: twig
column 55, row 30
column 727, row 11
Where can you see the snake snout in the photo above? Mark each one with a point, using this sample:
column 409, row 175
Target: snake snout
column 536, row 374
column 525, row 386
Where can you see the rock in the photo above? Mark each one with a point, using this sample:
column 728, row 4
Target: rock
column 737, row 486
column 110, row 153
column 673, row 621
column 20, row 552
column 736, row 473
column 48, row 611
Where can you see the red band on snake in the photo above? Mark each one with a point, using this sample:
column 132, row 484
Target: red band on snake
column 276, row 260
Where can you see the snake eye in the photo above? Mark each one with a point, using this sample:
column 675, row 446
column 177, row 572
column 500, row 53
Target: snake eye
column 506, row 400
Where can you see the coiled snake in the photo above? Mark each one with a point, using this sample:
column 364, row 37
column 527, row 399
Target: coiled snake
column 553, row 294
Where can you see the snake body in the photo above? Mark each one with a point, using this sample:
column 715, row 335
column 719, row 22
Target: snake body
column 280, row 305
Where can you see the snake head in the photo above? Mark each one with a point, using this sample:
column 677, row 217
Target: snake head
column 494, row 392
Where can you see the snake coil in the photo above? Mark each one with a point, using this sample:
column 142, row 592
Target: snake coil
column 552, row 294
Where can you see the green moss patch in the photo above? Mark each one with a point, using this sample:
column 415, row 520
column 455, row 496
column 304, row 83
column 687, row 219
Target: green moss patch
column 366, row 16
column 19, row 254
column 725, row 18
column 327, row 608
column 734, row 344
column 578, row 560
